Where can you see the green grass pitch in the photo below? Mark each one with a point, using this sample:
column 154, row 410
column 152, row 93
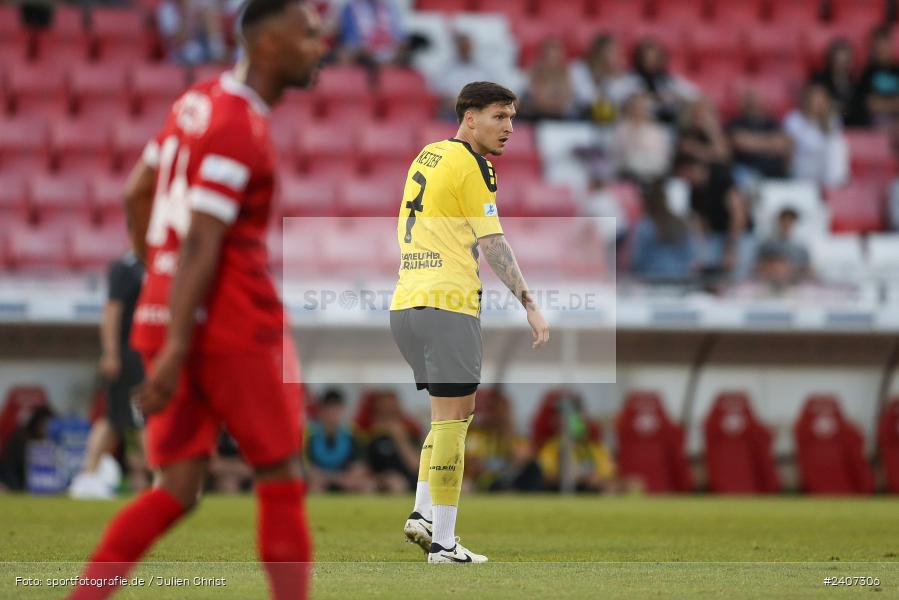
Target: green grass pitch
column 540, row 547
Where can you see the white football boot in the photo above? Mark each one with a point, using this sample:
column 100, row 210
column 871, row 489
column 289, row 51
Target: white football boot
column 458, row 554
column 418, row 531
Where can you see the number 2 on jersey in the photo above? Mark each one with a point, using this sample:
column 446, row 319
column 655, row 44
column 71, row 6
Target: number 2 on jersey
column 415, row 205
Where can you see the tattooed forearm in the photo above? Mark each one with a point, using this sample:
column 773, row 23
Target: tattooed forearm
column 499, row 256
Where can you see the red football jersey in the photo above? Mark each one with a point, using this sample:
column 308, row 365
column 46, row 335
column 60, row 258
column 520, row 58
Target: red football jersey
column 213, row 155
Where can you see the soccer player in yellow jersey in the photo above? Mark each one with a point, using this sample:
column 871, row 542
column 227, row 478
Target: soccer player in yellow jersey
column 448, row 218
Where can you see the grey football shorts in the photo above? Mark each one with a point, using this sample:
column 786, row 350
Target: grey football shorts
column 444, row 349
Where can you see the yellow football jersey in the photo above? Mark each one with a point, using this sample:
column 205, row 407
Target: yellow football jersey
column 449, row 201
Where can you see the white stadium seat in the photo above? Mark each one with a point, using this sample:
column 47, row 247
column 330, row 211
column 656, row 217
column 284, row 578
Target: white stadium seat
column 838, row 257
column 803, row 197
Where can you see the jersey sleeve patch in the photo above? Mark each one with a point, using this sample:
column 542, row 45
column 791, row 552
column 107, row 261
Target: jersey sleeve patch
column 490, row 210
column 213, row 203
column 224, row 171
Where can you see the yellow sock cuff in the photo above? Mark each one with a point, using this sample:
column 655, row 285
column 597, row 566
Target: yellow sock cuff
column 424, row 463
column 447, row 460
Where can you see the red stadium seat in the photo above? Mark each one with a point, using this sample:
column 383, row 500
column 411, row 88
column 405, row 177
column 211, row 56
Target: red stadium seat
column 81, row 144
column 736, row 16
column 323, row 150
column 385, row 147
column 10, row 21
column 99, row 89
column 866, row 14
column 857, row 207
column 548, row 200
column 403, row 95
column 775, row 92
column 713, row 46
column 370, row 197
column 531, row 35
column 157, row 83
column 107, row 196
column 68, row 22
column 771, row 45
column 38, row 90
column 515, row 10
column 670, row 37
column 684, row 13
column 56, row 197
column 53, row 49
column 545, row 424
column 888, row 444
column 830, row 450
column 119, row 36
column 445, row 6
column 298, row 249
column 436, row 131
column 738, row 448
column 93, row 248
column 536, row 250
column 804, row 14
column 871, row 153
column 40, row 249
column 376, row 236
column 343, row 87
column 630, row 12
column 651, row 446
column 307, row 196
column 207, row 72
column 130, row 137
column 23, row 145
column 561, row 13
column 13, row 199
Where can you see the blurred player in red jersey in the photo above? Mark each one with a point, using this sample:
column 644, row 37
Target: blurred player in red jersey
column 209, row 323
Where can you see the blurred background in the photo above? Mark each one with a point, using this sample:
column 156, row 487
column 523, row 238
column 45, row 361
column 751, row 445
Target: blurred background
column 742, row 154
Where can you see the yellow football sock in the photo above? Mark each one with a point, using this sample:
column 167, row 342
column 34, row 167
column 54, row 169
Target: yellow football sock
column 447, row 460
column 424, row 463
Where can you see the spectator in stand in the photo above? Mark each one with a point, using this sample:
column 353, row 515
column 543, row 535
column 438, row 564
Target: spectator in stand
column 641, row 144
column 392, row 451
column 668, row 92
column 598, row 82
column 550, row 94
column 14, row 454
column 700, row 134
column 592, row 463
column 370, row 32
column 761, row 148
column 332, row 452
column 725, row 241
column 781, row 259
column 877, row 97
column 192, row 30
column 820, row 151
column 663, row 247
column 838, row 79
column 459, row 71
column 497, row 459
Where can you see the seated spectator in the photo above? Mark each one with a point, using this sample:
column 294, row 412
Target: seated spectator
column 781, row 259
column 14, row 453
column 663, row 247
column 591, row 462
column 332, row 453
column 838, row 79
column 667, row 92
column 228, row 473
column 877, row 96
column 599, row 85
column 370, row 32
column 761, row 148
column 392, row 453
column 700, row 134
column 459, row 71
column 497, row 459
column 642, row 145
column 192, row 31
column 820, row 152
column 549, row 94
column 724, row 229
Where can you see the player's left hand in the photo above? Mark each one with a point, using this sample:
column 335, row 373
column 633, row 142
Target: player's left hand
column 152, row 396
column 539, row 328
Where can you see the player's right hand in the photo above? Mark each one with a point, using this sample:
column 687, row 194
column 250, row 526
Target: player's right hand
column 110, row 366
column 539, row 327
column 152, row 396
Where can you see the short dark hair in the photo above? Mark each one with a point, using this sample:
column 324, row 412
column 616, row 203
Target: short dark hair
column 481, row 94
column 255, row 11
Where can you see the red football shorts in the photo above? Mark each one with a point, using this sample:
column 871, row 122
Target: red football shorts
column 244, row 393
